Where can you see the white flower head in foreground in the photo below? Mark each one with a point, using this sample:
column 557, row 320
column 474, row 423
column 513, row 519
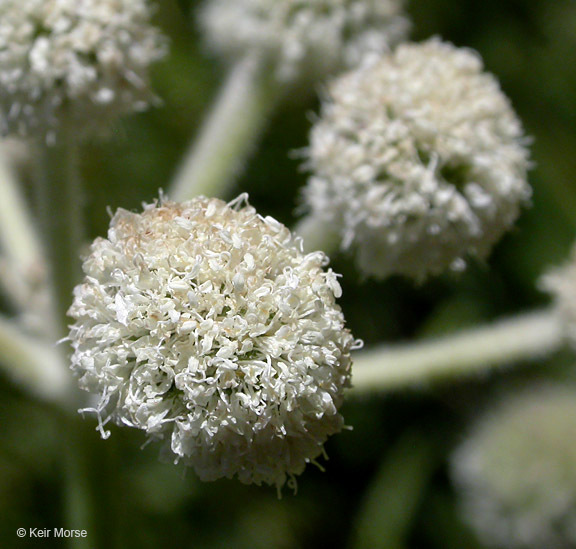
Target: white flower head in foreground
column 516, row 474
column 419, row 160
column 86, row 59
column 313, row 37
column 204, row 324
column 561, row 283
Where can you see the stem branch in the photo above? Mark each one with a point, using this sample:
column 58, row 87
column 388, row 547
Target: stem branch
column 60, row 203
column 524, row 337
column 21, row 247
column 61, row 215
column 246, row 100
column 34, row 364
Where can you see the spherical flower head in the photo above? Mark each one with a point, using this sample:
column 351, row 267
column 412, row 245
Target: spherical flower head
column 419, row 160
column 561, row 283
column 83, row 60
column 310, row 37
column 516, row 471
column 204, row 324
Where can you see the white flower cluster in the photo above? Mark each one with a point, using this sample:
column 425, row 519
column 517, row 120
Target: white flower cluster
column 516, row 471
column 419, row 160
column 561, row 283
column 85, row 59
column 205, row 325
column 312, row 37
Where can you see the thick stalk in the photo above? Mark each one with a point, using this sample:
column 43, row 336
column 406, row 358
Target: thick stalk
column 35, row 364
column 229, row 134
column 17, row 234
column 317, row 234
column 524, row 337
column 395, row 493
column 21, row 248
column 81, row 511
column 60, row 204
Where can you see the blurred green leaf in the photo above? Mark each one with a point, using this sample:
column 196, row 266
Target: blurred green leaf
column 393, row 497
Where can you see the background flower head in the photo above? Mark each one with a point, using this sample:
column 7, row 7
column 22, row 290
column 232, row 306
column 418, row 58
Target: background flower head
column 419, row 160
column 86, row 60
column 515, row 471
column 312, row 37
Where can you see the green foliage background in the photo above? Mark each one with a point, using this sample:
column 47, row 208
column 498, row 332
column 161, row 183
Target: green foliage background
column 386, row 482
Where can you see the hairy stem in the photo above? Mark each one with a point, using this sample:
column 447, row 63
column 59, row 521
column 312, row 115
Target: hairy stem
column 80, row 505
column 228, row 135
column 395, row 493
column 34, row 364
column 24, row 266
column 60, row 203
column 524, row 337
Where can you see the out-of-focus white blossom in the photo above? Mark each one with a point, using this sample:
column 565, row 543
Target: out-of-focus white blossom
column 419, row 160
column 204, row 324
column 312, row 37
column 515, row 472
column 87, row 60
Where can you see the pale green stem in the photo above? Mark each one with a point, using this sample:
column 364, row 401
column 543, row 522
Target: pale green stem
column 525, row 337
column 21, row 248
column 80, row 505
column 395, row 493
column 34, row 364
column 60, row 203
column 229, row 134
column 317, row 234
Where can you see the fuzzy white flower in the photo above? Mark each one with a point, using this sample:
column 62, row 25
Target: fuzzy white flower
column 419, row 160
column 516, row 471
column 313, row 37
column 87, row 60
column 204, row 324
